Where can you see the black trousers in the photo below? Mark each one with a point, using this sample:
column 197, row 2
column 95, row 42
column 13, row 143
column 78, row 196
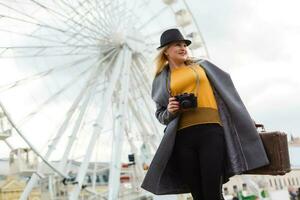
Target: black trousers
column 200, row 152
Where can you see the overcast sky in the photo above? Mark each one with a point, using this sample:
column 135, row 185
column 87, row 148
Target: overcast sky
column 257, row 42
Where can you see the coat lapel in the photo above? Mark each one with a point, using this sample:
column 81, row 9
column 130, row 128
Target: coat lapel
column 159, row 87
column 244, row 139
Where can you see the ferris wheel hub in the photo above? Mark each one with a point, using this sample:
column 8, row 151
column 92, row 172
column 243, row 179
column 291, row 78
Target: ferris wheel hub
column 118, row 38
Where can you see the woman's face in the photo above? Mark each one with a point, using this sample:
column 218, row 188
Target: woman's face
column 177, row 52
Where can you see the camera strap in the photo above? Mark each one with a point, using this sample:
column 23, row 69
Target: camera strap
column 197, row 81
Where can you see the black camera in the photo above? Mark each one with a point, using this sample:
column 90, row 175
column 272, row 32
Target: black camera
column 187, row 100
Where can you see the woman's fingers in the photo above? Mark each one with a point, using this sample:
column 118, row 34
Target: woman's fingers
column 172, row 99
column 173, row 105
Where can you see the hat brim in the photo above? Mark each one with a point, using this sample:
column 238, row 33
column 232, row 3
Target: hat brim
column 187, row 42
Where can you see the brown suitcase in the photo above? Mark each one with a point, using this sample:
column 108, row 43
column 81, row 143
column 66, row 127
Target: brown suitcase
column 276, row 147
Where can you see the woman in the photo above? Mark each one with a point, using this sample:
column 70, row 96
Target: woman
column 209, row 134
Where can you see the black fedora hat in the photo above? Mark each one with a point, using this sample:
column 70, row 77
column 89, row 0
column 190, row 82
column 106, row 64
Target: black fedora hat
column 172, row 35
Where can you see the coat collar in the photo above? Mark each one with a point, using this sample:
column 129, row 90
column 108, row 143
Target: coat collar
column 159, row 87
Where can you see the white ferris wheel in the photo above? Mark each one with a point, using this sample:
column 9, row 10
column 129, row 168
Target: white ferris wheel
column 75, row 80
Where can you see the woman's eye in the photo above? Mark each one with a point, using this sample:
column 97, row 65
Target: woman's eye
column 180, row 44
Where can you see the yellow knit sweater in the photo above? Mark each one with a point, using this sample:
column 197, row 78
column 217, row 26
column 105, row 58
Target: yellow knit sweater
column 183, row 79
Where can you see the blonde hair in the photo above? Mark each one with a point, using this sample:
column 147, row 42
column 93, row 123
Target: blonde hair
column 161, row 60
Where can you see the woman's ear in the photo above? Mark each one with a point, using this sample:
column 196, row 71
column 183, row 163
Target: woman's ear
column 165, row 53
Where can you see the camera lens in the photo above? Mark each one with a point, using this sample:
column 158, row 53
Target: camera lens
column 186, row 104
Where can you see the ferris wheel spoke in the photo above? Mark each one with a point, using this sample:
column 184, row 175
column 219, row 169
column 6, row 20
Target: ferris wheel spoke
column 143, row 93
column 120, row 11
column 83, row 109
column 137, row 113
column 49, row 55
column 152, row 128
column 80, row 51
column 42, row 74
column 91, row 92
column 142, row 83
column 2, row 51
column 64, row 5
column 57, row 14
column 117, row 140
column 153, row 17
column 72, row 109
column 49, row 47
column 143, row 4
column 95, row 166
column 98, row 128
column 117, row 13
column 139, row 83
column 9, row 145
column 103, row 22
column 36, row 37
column 15, row 1
column 54, row 96
column 77, row 34
column 142, row 127
column 101, row 17
column 37, row 22
column 96, row 29
column 107, row 19
column 48, row 27
column 136, row 5
column 78, row 30
column 32, row 182
column 75, row 105
column 143, row 72
column 151, row 45
column 129, row 18
column 156, row 33
column 100, row 28
column 138, row 167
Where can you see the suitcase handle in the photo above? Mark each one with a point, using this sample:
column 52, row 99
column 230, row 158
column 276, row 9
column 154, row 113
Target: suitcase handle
column 260, row 126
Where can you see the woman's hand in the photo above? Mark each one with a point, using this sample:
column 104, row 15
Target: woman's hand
column 173, row 106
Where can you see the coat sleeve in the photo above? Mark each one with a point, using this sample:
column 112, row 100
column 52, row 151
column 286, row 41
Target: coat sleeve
column 163, row 115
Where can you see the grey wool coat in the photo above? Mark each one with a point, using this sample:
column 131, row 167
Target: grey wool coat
column 244, row 148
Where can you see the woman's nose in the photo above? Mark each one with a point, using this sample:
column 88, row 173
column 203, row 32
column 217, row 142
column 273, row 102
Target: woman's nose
column 183, row 48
